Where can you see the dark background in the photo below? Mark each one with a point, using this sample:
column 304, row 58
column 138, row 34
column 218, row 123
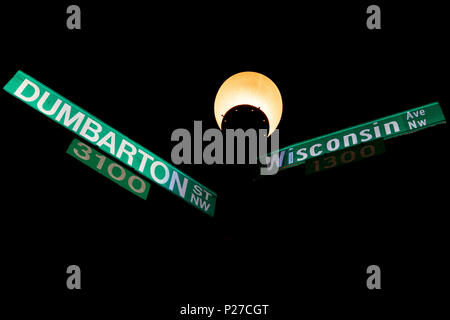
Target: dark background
column 299, row 243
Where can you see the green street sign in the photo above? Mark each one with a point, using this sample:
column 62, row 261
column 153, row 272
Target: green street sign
column 385, row 128
column 108, row 168
column 111, row 141
column 344, row 156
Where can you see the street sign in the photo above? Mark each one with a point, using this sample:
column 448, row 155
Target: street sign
column 108, row 168
column 111, row 141
column 344, row 156
column 385, row 128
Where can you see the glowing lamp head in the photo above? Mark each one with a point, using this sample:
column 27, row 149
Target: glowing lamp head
column 248, row 92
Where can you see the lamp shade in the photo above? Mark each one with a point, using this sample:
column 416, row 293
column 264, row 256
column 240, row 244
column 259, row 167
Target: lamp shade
column 249, row 88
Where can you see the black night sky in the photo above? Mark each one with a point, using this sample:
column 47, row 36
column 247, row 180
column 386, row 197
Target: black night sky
column 299, row 243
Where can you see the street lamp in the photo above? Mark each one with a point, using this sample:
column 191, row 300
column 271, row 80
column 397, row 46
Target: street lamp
column 248, row 100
